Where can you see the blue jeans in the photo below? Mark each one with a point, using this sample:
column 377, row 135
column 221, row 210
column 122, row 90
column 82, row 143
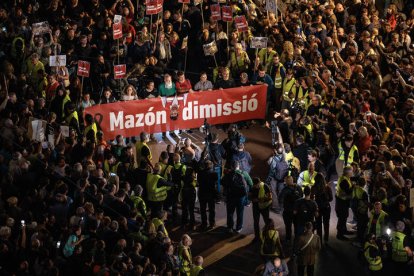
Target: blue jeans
column 217, row 169
column 235, row 204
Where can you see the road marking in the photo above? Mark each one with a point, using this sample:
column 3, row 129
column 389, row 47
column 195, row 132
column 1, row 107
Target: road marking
column 224, row 248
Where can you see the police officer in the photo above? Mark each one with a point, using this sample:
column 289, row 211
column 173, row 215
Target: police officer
column 401, row 251
column 216, row 154
column 372, row 255
column 143, row 151
column 261, row 198
column 343, row 198
column 156, row 189
column 207, row 181
column 177, row 177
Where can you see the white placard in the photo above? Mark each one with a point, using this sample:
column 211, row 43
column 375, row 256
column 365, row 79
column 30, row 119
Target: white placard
column 65, row 131
column 258, row 42
column 59, row 60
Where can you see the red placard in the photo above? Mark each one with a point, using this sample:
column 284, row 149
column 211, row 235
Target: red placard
column 151, row 115
column 215, row 11
column 184, row 1
column 117, row 30
column 153, row 6
column 84, row 68
column 241, row 23
column 119, row 71
column 227, row 14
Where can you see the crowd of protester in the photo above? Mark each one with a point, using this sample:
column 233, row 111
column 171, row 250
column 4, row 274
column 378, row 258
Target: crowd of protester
column 340, row 100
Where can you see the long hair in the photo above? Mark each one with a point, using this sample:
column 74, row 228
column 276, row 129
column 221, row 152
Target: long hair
column 319, row 185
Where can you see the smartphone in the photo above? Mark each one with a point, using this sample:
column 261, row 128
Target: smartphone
column 58, row 244
column 112, row 174
column 22, row 222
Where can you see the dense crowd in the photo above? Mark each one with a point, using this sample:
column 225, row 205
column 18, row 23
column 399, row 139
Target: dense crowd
column 340, row 100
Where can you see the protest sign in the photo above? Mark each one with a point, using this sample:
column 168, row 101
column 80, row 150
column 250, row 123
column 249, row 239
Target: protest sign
column 41, row 28
column 184, row 1
column 258, row 42
column 117, row 30
column 59, row 60
column 227, row 13
column 210, row 49
column 241, row 23
column 150, row 115
column 215, row 11
column 84, row 68
column 119, row 71
column 153, row 6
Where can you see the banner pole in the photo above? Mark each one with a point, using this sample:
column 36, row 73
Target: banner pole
column 276, row 9
column 81, row 91
column 156, row 32
column 202, row 13
column 185, row 59
column 228, row 40
column 117, row 52
column 150, row 27
column 215, row 61
column 182, row 14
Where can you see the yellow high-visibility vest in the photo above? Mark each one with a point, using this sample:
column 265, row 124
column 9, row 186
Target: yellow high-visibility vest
column 262, row 195
column 154, row 193
column 375, row 264
column 339, row 192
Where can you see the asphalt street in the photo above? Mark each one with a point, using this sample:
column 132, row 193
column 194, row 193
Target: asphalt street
column 234, row 254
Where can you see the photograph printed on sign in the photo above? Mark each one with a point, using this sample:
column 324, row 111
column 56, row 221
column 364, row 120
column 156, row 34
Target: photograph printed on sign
column 258, row 42
column 41, row 28
column 210, row 49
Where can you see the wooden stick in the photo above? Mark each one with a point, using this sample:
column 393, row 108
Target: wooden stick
column 117, row 52
column 228, row 40
column 81, row 91
column 276, row 9
column 202, row 13
column 215, row 61
column 156, row 31
column 182, row 14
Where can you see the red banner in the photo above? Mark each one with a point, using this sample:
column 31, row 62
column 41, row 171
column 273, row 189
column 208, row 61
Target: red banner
column 119, row 71
column 184, row 1
column 153, row 6
column 189, row 111
column 241, row 23
column 215, row 12
column 227, row 13
column 117, row 30
column 84, row 68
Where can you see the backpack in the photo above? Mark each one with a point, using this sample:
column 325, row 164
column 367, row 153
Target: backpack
column 279, row 168
column 269, row 245
column 177, row 175
column 238, row 185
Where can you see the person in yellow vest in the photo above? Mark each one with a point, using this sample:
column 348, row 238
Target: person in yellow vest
column 344, row 189
column 266, row 55
column 270, row 246
column 373, row 256
column 261, row 197
column 156, row 189
column 139, row 202
column 90, row 129
column 239, row 61
column 277, row 72
column 197, row 269
column 378, row 220
column 307, row 178
column 143, row 150
column 401, row 251
column 178, row 172
column 184, row 255
column 347, row 153
column 72, row 118
column 33, row 65
column 158, row 222
column 111, row 165
column 288, row 89
column 360, row 203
